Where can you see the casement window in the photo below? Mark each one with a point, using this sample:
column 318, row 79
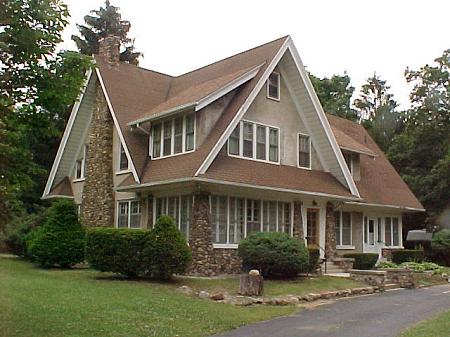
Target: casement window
column 273, row 86
column 391, row 231
column 304, row 151
column 129, row 214
column 123, row 159
column 255, row 141
column 81, row 165
column 173, row 136
column 343, row 228
column 234, row 218
column 179, row 208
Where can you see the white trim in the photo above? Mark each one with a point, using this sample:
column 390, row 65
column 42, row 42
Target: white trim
column 341, row 230
column 118, row 173
column 231, row 126
column 79, row 180
column 66, row 134
column 225, row 245
column 345, row 247
column 116, row 123
column 129, row 201
column 386, row 206
column 373, row 155
column 298, row 151
column 57, row 196
column 278, row 87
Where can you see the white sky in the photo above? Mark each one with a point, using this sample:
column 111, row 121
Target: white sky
column 359, row 37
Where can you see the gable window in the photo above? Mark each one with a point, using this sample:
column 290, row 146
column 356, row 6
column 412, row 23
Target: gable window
column 391, row 231
column 304, row 151
column 123, row 159
column 255, row 141
column 273, row 86
column 81, row 165
column 129, row 214
column 173, row 136
column 343, row 228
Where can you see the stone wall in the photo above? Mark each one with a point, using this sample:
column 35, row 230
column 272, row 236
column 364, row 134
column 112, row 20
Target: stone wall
column 298, row 221
column 227, row 261
column 330, row 232
column 373, row 277
column 401, row 276
column 98, row 196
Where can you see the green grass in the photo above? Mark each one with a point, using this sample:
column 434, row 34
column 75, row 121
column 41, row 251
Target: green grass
column 37, row 302
column 438, row 326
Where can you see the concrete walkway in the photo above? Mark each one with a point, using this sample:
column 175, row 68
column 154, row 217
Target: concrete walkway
column 380, row 315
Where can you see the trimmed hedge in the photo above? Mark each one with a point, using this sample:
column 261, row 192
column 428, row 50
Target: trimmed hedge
column 407, row 255
column 274, row 254
column 363, row 261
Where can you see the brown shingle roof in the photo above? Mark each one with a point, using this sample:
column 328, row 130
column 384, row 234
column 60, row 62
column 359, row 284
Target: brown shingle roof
column 63, row 188
column 380, row 183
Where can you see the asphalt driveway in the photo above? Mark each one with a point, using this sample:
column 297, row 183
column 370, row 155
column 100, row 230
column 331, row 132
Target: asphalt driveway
column 379, row 315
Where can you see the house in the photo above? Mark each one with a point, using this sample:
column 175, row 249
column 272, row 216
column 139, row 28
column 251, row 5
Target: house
column 238, row 146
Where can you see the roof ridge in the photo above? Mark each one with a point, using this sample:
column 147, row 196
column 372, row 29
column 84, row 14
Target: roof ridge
column 231, row 56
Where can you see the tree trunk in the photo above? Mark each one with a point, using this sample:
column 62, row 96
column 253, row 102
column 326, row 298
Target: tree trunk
column 251, row 285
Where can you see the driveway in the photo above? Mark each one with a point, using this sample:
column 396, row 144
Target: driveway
column 380, row 315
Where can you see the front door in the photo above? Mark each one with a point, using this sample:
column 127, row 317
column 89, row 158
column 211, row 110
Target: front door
column 312, row 226
column 372, row 235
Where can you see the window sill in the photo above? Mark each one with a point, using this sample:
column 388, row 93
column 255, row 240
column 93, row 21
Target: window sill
column 273, row 98
column 79, row 180
column 118, row 173
column 304, row 168
column 345, row 247
column 226, row 245
column 254, row 159
column 173, row 155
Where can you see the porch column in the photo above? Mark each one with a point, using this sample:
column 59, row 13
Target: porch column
column 330, row 232
column 200, row 241
column 298, row 221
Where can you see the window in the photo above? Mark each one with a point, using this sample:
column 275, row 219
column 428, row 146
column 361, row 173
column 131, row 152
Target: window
column 391, row 231
column 304, row 151
column 312, row 226
column 219, row 218
column 343, row 228
column 129, row 214
column 255, row 141
column 179, row 208
column 273, row 86
column 81, row 165
column 348, row 160
column 173, row 136
column 123, row 160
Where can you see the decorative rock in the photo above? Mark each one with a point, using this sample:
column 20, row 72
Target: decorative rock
column 203, row 294
column 253, row 272
column 185, row 290
column 218, row 296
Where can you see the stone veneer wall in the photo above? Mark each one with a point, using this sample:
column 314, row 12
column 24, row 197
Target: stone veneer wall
column 298, row 221
column 98, row 195
column 330, row 232
column 227, row 261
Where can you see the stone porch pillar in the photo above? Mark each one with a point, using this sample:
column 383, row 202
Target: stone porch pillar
column 298, row 221
column 330, row 232
column 200, row 241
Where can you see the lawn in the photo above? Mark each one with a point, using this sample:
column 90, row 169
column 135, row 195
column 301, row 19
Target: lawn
column 438, row 326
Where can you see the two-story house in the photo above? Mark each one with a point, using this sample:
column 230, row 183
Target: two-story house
column 238, row 146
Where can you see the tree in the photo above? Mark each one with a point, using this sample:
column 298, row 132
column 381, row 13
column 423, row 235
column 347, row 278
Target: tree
column 334, row 94
column 106, row 21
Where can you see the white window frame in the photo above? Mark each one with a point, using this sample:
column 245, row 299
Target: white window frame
column 341, row 246
column 129, row 201
column 298, row 151
column 172, row 142
column 400, row 230
column 83, row 166
column 241, row 142
column 118, row 170
column 278, row 87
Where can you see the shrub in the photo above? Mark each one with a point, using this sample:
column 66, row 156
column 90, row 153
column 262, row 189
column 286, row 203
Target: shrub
column 407, row 255
column 274, row 254
column 422, row 267
column 168, row 252
column 441, row 240
column 61, row 240
column 363, row 261
column 313, row 259
column 387, row 265
column 117, row 250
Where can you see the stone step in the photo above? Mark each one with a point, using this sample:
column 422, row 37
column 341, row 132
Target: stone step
column 391, row 286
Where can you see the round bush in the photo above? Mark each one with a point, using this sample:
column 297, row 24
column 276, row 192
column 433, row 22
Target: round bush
column 407, row 255
column 363, row 261
column 274, row 254
column 61, row 240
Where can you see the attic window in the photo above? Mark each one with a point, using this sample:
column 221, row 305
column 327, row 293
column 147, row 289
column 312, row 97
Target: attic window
column 123, row 160
column 80, row 165
column 273, row 86
column 304, row 151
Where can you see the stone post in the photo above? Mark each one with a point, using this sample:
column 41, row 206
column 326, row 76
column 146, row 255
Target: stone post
column 298, row 221
column 203, row 261
column 330, row 232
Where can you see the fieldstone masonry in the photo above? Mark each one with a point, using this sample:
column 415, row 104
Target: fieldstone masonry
column 227, row 261
column 109, row 49
column 298, row 221
column 330, row 232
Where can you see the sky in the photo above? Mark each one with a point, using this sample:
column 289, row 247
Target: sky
column 332, row 37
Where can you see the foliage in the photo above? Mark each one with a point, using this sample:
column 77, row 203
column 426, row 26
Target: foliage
column 420, row 267
column 313, row 259
column 61, row 240
column 274, row 254
column 441, row 240
column 387, row 265
column 106, row 21
column 334, row 94
column 117, row 250
column 168, row 252
column 363, row 261
column 407, row 255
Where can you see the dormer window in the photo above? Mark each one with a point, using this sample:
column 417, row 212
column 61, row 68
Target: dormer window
column 173, row 136
column 352, row 161
column 304, row 151
column 273, row 86
column 123, row 159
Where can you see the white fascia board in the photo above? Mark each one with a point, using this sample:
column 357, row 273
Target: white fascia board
column 323, row 119
column 231, row 126
column 164, row 113
column 116, row 123
column 373, row 155
column 65, row 137
column 48, row 197
column 412, row 209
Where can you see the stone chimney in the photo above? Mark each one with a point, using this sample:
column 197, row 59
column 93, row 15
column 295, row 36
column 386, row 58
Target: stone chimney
column 109, row 49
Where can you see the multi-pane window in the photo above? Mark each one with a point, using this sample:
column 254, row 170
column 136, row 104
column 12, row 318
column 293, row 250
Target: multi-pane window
column 81, row 164
column 304, row 151
column 343, row 228
column 173, row 136
column 312, row 226
column 255, row 141
column 391, row 231
column 123, row 159
column 129, row 214
column 273, row 86
column 232, row 218
column 179, row 208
